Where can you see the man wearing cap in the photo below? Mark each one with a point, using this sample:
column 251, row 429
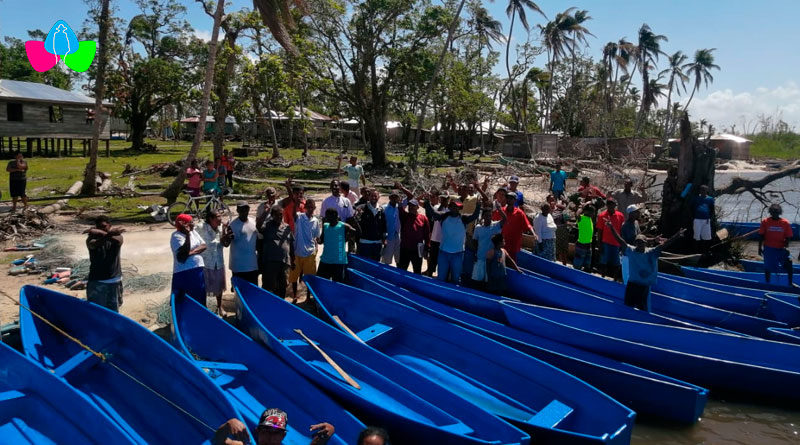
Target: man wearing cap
column 187, row 265
column 243, row 239
column 517, row 223
column 630, row 228
column 626, row 196
column 415, row 233
column 773, row 243
column 391, row 247
column 270, row 430
column 609, row 254
column 454, row 233
column 513, row 183
column 643, row 264
column 558, row 181
column 271, row 198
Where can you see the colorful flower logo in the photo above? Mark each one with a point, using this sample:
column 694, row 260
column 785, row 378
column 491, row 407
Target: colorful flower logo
column 61, row 43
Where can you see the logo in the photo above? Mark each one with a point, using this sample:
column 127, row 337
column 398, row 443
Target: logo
column 61, row 44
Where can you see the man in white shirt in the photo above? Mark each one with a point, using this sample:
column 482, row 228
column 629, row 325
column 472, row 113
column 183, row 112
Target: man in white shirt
column 187, row 265
column 243, row 238
column 307, row 230
column 215, row 235
column 544, row 226
column 343, row 206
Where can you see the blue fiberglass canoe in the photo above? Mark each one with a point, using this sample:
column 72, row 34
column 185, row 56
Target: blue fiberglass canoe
column 413, row 408
column 752, row 280
column 160, row 372
column 758, row 266
column 39, row 408
column 668, row 305
column 553, row 406
column 723, row 362
column 650, row 394
column 527, row 288
column 736, row 228
column 254, row 379
column 791, row 335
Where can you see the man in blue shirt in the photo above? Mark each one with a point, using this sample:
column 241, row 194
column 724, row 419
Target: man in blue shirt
column 558, row 181
column 513, row 183
column 703, row 212
column 391, row 248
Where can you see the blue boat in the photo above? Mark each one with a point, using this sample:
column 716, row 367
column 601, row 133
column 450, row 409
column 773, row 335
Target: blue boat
column 155, row 394
column 680, row 303
column 743, row 228
column 791, row 335
column 752, row 280
column 758, row 266
column 524, row 287
column 650, row 394
column 36, row 407
column 374, row 387
column 553, row 406
column 254, row 379
column 725, row 363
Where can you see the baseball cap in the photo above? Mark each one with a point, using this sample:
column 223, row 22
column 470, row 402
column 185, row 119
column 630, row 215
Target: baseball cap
column 514, row 178
column 273, row 418
column 632, row 208
column 394, row 194
column 414, row 202
column 183, row 218
column 641, row 238
column 240, row 204
column 270, row 191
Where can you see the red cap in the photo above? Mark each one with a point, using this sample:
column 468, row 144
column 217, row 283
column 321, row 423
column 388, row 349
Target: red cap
column 183, row 218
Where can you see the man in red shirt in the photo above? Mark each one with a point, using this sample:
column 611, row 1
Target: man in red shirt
column 609, row 255
column 516, row 224
column 293, row 204
column 774, row 243
column 228, row 161
column 588, row 191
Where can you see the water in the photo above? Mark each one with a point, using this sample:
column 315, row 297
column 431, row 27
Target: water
column 727, row 423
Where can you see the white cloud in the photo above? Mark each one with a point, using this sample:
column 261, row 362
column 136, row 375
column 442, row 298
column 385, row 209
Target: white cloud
column 205, row 35
column 724, row 108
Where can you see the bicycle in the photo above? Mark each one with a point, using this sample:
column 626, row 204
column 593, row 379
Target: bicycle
column 192, row 206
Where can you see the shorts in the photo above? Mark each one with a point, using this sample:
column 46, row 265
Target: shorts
column 108, row 295
column 775, row 259
column 16, row 187
column 702, row 229
column 609, row 255
column 303, row 265
column 215, row 280
column 333, row 272
column 583, row 257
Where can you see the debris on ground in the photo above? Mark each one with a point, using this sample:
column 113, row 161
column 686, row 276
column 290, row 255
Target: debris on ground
column 23, row 225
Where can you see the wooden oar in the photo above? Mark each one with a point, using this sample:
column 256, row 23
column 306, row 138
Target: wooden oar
column 330, row 361
column 347, row 328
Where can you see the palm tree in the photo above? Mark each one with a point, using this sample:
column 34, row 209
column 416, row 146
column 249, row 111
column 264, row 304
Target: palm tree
column 675, row 72
column 573, row 24
column 700, row 69
column 89, row 174
column 647, row 51
column 616, row 56
column 556, row 40
column 517, row 8
column 486, row 27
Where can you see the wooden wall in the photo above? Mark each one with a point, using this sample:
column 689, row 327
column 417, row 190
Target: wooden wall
column 36, row 122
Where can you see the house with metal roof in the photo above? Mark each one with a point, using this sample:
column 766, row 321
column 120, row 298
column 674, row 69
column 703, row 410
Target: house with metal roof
column 49, row 118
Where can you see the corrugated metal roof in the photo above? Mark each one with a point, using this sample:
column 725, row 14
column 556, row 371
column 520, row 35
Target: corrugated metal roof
column 209, row 120
column 729, row 137
column 39, row 92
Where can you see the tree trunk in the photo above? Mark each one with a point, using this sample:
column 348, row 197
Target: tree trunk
column 138, row 129
column 375, row 132
column 89, row 184
column 223, row 87
column 174, row 189
column 436, row 69
column 669, row 114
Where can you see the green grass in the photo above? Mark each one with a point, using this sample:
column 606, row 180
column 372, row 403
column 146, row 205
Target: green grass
column 53, row 176
column 778, row 146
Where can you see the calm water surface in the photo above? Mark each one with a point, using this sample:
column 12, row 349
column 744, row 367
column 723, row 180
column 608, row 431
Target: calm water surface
column 727, row 423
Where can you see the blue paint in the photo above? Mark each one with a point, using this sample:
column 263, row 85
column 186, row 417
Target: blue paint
column 61, row 39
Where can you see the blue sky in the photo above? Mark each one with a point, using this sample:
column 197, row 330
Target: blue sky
column 756, row 42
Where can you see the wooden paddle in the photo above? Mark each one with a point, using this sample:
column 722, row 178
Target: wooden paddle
column 330, row 361
column 347, row 328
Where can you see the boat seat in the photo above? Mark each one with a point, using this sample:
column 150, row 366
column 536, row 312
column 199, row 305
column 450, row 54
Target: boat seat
column 373, row 332
column 294, row 342
column 551, row 415
column 222, row 366
column 458, row 428
column 81, row 361
column 10, row 395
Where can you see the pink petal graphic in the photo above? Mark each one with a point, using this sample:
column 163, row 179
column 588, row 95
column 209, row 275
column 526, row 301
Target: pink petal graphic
column 40, row 59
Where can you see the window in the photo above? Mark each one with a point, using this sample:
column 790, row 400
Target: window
column 56, row 114
column 14, row 112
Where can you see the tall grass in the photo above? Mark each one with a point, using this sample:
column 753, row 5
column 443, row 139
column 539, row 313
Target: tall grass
column 776, row 145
